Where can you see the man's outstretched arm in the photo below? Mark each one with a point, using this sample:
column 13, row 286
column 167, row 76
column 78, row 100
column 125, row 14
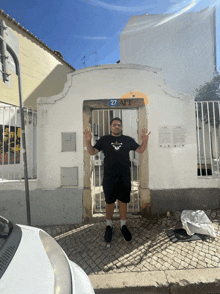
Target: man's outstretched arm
column 91, row 150
column 88, row 137
column 145, row 138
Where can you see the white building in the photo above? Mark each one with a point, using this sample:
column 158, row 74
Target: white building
column 184, row 47
column 167, row 170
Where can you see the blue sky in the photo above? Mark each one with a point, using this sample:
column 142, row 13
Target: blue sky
column 86, row 32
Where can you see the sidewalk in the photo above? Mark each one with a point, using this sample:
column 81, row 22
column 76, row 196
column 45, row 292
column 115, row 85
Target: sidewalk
column 151, row 263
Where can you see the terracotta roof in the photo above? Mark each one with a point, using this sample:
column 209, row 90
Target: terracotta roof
column 54, row 52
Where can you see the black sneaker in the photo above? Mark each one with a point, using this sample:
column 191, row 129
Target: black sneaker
column 108, row 234
column 125, row 232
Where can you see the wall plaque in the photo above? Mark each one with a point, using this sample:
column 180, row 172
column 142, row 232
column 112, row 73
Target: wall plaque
column 172, row 136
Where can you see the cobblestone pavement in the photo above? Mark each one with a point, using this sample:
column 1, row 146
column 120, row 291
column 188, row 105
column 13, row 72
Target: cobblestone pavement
column 150, row 250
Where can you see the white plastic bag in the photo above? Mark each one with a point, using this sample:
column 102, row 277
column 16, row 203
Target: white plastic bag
column 196, row 221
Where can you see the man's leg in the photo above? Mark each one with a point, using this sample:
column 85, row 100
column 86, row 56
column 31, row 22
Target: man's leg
column 110, row 210
column 123, row 214
column 122, row 210
column 109, row 213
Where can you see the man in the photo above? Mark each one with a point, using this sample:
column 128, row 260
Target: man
column 117, row 175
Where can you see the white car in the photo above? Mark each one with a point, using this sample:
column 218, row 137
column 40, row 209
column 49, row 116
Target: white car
column 31, row 261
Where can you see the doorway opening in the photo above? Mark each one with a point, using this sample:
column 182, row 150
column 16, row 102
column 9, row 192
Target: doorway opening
column 100, row 127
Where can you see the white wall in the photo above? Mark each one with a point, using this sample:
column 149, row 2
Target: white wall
column 183, row 47
column 169, row 168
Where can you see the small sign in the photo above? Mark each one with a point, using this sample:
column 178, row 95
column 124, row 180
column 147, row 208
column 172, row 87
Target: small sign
column 172, row 136
column 165, row 136
column 113, row 102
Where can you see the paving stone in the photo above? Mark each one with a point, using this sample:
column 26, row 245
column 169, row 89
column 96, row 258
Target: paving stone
column 194, row 258
column 208, row 256
column 150, row 249
column 177, row 260
column 184, row 253
column 215, row 258
column 200, row 258
column 184, row 264
column 187, row 259
column 215, row 264
column 208, row 261
column 193, row 263
column 191, row 266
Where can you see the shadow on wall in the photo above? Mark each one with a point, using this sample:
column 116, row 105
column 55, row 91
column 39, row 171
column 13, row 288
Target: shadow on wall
column 52, row 85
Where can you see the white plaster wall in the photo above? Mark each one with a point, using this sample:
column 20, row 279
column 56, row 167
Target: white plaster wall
column 172, row 168
column 183, row 46
column 65, row 116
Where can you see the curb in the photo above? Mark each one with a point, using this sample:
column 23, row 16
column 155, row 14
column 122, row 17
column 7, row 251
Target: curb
column 191, row 281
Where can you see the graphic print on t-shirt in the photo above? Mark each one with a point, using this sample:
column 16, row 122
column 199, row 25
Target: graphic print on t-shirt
column 117, row 145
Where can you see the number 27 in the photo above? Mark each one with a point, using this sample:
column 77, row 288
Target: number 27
column 113, row 102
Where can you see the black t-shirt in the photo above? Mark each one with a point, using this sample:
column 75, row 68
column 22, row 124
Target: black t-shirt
column 116, row 151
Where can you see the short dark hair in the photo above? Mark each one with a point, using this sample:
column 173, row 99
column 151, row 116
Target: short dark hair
column 115, row 118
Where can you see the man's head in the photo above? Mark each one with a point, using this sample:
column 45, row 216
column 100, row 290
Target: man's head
column 116, row 126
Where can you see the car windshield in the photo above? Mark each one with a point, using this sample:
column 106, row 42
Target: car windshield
column 4, row 227
column 10, row 236
column 5, row 230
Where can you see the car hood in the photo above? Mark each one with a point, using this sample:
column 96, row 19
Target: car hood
column 30, row 270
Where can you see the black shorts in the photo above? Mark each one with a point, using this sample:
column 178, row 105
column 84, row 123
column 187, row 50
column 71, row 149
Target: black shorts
column 117, row 188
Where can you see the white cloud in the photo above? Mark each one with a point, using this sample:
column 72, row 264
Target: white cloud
column 187, row 5
column 92, row 38
column 131, row 9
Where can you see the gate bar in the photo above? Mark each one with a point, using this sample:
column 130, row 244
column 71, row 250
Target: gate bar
column 210, row 137
column 198, row 137
column 204, row 146
column 216, row 144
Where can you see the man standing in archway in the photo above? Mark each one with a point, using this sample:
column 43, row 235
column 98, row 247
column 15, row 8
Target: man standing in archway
column 117, row 174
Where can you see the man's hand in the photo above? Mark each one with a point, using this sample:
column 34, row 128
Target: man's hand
column 145, row 138
column 145, row 135
column 88, row 135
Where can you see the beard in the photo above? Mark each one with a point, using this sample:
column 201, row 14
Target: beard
column 116, row 132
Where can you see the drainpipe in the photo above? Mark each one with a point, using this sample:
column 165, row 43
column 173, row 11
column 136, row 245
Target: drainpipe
column 18, row 72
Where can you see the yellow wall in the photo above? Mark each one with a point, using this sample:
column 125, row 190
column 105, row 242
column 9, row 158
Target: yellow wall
column 42, row 73
column 10, row 94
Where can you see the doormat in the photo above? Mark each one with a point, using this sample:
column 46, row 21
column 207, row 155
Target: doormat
column 180, row 235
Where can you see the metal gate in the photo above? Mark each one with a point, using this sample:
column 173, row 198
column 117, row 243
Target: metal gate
column 208, row 137
column 11, row 155
column 100, row 127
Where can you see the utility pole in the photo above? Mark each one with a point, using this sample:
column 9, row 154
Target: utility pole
column 5, row 75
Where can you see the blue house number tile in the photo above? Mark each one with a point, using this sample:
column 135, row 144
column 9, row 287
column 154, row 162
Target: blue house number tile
column 113, row 102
